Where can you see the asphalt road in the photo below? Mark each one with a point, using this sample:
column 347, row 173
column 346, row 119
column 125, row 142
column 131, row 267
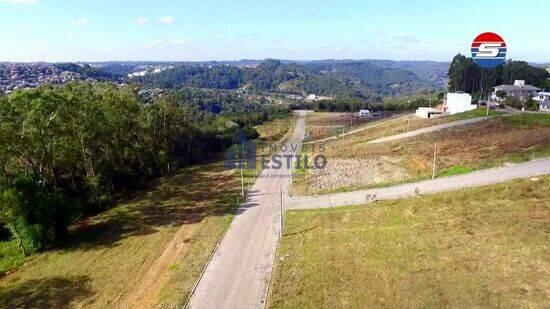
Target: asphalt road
column 239, row 272
column 475, row 179
column 427, row 130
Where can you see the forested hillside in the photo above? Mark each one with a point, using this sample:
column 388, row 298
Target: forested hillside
column 70, row 150
column 465, row 75
column 336, row 78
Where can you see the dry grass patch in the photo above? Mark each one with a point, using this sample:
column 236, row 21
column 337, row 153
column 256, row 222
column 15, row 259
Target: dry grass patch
column 460, row 149
column 482, row 247
column 321, row 125
column 169, row 228
column 276, row 129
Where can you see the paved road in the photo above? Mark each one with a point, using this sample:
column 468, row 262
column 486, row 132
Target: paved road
column 427, row 130
column 479, row 178
column 238, row 274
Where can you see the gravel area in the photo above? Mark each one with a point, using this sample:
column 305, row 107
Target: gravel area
column 349, row 172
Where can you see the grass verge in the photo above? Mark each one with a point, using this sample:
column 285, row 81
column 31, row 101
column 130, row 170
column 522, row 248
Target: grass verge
column 108, row 258
column 481, row 247
column 10, row 256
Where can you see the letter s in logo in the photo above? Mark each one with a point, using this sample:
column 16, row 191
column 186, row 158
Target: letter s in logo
column 488, row 49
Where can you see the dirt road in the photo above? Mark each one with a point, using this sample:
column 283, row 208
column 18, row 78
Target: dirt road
column 238, row 274
column 378, row 122
column 428, row 130
column 479, row 178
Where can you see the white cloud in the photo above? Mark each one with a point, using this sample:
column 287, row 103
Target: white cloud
column 19, row 1
column 164, row 44
column 80, row 21
column 407, row 39
column 165, row 19
column 70, row 34
column 142, row 20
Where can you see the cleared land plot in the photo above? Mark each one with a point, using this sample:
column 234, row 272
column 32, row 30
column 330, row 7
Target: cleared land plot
column 275, row 130
column 482, row 247
column 489, row 143
column 408, row 123
column 145, row 251
column 321, row 125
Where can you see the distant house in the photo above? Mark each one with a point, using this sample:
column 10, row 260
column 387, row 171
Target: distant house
column 458, row 102
column 365, row 113
column 518, row 90
column 312, row 97
column 543, row 98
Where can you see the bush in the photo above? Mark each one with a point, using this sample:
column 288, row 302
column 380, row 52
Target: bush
column 513, row 102
column 531, row 105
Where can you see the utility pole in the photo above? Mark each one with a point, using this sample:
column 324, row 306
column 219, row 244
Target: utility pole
column 241, row 166
column 433, row 165
column 242, row 180
column 281, row 215
column 487, row 114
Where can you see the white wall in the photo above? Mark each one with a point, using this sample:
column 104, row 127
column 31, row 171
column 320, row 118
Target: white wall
column 459, row 103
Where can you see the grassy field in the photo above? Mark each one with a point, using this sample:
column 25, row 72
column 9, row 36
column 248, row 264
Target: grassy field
column 145, row 252
column 322, row 125
column 124, row 257
column 275, row 130
column 482, row 247
column 463, row 149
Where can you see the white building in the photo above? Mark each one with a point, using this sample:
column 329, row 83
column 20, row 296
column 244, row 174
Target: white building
column 364, row 113
column 459, row 102
column 544, row 100
column 428, row 112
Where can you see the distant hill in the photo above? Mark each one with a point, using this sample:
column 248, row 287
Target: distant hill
column 335, row 78
column 357, row 78
column 384, row 76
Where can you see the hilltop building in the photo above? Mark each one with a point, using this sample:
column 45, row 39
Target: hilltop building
column 518, row 90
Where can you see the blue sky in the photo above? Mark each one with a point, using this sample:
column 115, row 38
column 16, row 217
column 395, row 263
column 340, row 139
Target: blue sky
column 189, row 30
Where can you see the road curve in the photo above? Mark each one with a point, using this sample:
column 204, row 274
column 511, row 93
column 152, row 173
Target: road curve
column 475, row 179
column 427, row 130
column 239, row 272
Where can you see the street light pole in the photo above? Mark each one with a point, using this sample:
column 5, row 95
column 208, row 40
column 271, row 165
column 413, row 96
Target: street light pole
column 433, row 165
